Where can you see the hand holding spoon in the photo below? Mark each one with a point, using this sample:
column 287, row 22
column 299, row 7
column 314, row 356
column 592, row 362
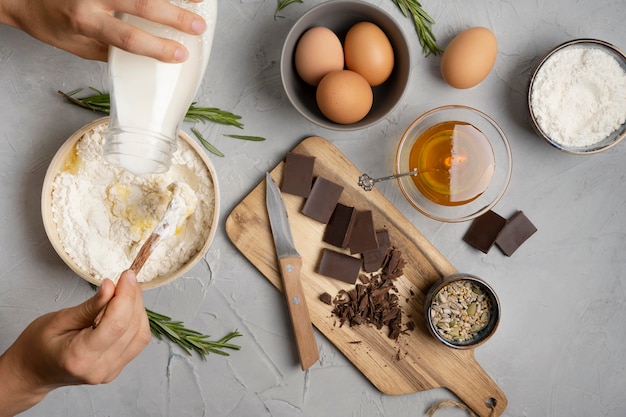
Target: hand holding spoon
column 181, row 206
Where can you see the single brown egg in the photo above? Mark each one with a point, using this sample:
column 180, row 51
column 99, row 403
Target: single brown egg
column 344, row 96
column 318, row 52
column 368, row 52
column 469, row 57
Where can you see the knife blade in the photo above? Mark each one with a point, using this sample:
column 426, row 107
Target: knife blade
column 290, row 264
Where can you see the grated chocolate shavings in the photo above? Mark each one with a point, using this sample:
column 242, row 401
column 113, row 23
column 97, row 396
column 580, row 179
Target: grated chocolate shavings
column 374, row 302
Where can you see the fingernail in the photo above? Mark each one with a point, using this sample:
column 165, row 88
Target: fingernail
column 132, row 279
column 180, row 54
column 198, row 26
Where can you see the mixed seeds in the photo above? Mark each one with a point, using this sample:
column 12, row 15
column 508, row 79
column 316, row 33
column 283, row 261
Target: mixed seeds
column 459, row 311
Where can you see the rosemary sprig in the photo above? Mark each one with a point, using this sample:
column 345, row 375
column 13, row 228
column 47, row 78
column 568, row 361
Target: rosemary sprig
column 189, row 340
column 281, row 5
column 423, row 23
column 212, row 114
column 101, row 102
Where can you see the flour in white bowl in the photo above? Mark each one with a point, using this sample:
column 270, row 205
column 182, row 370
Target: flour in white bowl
column 578, row 96
column 103, row 214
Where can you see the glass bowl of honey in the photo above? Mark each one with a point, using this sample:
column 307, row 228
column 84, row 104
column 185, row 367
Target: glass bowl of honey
column 462, row 163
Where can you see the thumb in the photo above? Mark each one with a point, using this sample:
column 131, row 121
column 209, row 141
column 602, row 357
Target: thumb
column 83, row 315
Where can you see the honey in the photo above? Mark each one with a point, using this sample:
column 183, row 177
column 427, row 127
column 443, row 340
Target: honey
column 455, row 163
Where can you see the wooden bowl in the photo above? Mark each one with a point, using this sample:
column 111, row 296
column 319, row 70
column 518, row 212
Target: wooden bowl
column 57, row 165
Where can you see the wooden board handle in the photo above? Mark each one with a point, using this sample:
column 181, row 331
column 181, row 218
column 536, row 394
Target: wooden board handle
column 475, row 388
column 303, row 329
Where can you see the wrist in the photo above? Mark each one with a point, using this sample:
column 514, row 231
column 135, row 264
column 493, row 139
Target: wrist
column 16, row 392
column 9, row 13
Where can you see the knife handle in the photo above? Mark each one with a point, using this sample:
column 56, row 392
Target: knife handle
column 298, row 311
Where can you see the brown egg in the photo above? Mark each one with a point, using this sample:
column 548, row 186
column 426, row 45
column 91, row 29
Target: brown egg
column 344, row 96
column 469, row 57
column 368, row 51
column 318, row 52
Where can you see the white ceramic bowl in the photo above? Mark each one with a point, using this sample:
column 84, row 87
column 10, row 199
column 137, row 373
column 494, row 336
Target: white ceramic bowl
column 58, row 164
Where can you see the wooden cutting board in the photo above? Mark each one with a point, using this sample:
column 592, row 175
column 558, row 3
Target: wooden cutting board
column 416, row 361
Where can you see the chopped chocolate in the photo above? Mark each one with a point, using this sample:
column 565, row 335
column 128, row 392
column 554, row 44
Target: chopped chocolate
column 298, row 176
column 515, row 232
column 326, row 298
column 374, row 303
column 484, row 231
column 364, row 279
column 363, row 237
column 322, row 200
column 394, row 263
column 373, row 259
column 340, row 226
column 339, row 266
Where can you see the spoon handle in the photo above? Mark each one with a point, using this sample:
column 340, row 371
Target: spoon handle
column 367, row 182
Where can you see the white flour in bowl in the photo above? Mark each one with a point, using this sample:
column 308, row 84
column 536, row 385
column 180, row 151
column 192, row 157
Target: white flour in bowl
column 578, row 96
column 103, row 214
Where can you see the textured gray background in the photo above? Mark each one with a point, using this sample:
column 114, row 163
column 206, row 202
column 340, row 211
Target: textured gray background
column 561, row 345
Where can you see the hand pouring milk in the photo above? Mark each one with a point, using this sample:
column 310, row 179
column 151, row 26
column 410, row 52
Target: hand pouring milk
column 150, row 98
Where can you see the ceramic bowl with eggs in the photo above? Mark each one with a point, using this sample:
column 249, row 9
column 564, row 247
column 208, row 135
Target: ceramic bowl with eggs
column 97, row 216
column 462, row 311
column 461, row 160
column 577, row 96
column 345, row 64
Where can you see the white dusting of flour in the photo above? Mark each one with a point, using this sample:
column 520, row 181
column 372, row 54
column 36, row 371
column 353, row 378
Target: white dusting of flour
column 103, row 214
column 579, row 96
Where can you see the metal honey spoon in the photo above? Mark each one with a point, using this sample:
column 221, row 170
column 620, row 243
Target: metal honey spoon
column 367, row 182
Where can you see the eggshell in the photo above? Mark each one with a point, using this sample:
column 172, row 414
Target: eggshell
column 344, row 96
column 368, row 52
column 469, row 57
column 318, row 52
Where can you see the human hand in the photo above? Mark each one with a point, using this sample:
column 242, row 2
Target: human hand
column 87, row 27
column 62, row 348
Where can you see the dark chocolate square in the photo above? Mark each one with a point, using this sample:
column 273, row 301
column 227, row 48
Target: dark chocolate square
column 363, row 237
column 340, row 226
column 322, row 200
column 515, row 232
column 484, row 231
column 298, row 176
column 373, row 259
column 339, row 266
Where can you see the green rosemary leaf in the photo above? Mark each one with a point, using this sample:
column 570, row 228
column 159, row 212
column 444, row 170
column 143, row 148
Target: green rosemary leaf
column 206, row 143
column 281, row 5
column 422, row 22
column 244, row 137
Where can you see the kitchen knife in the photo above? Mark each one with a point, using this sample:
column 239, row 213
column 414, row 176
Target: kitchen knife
column 290, row 263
